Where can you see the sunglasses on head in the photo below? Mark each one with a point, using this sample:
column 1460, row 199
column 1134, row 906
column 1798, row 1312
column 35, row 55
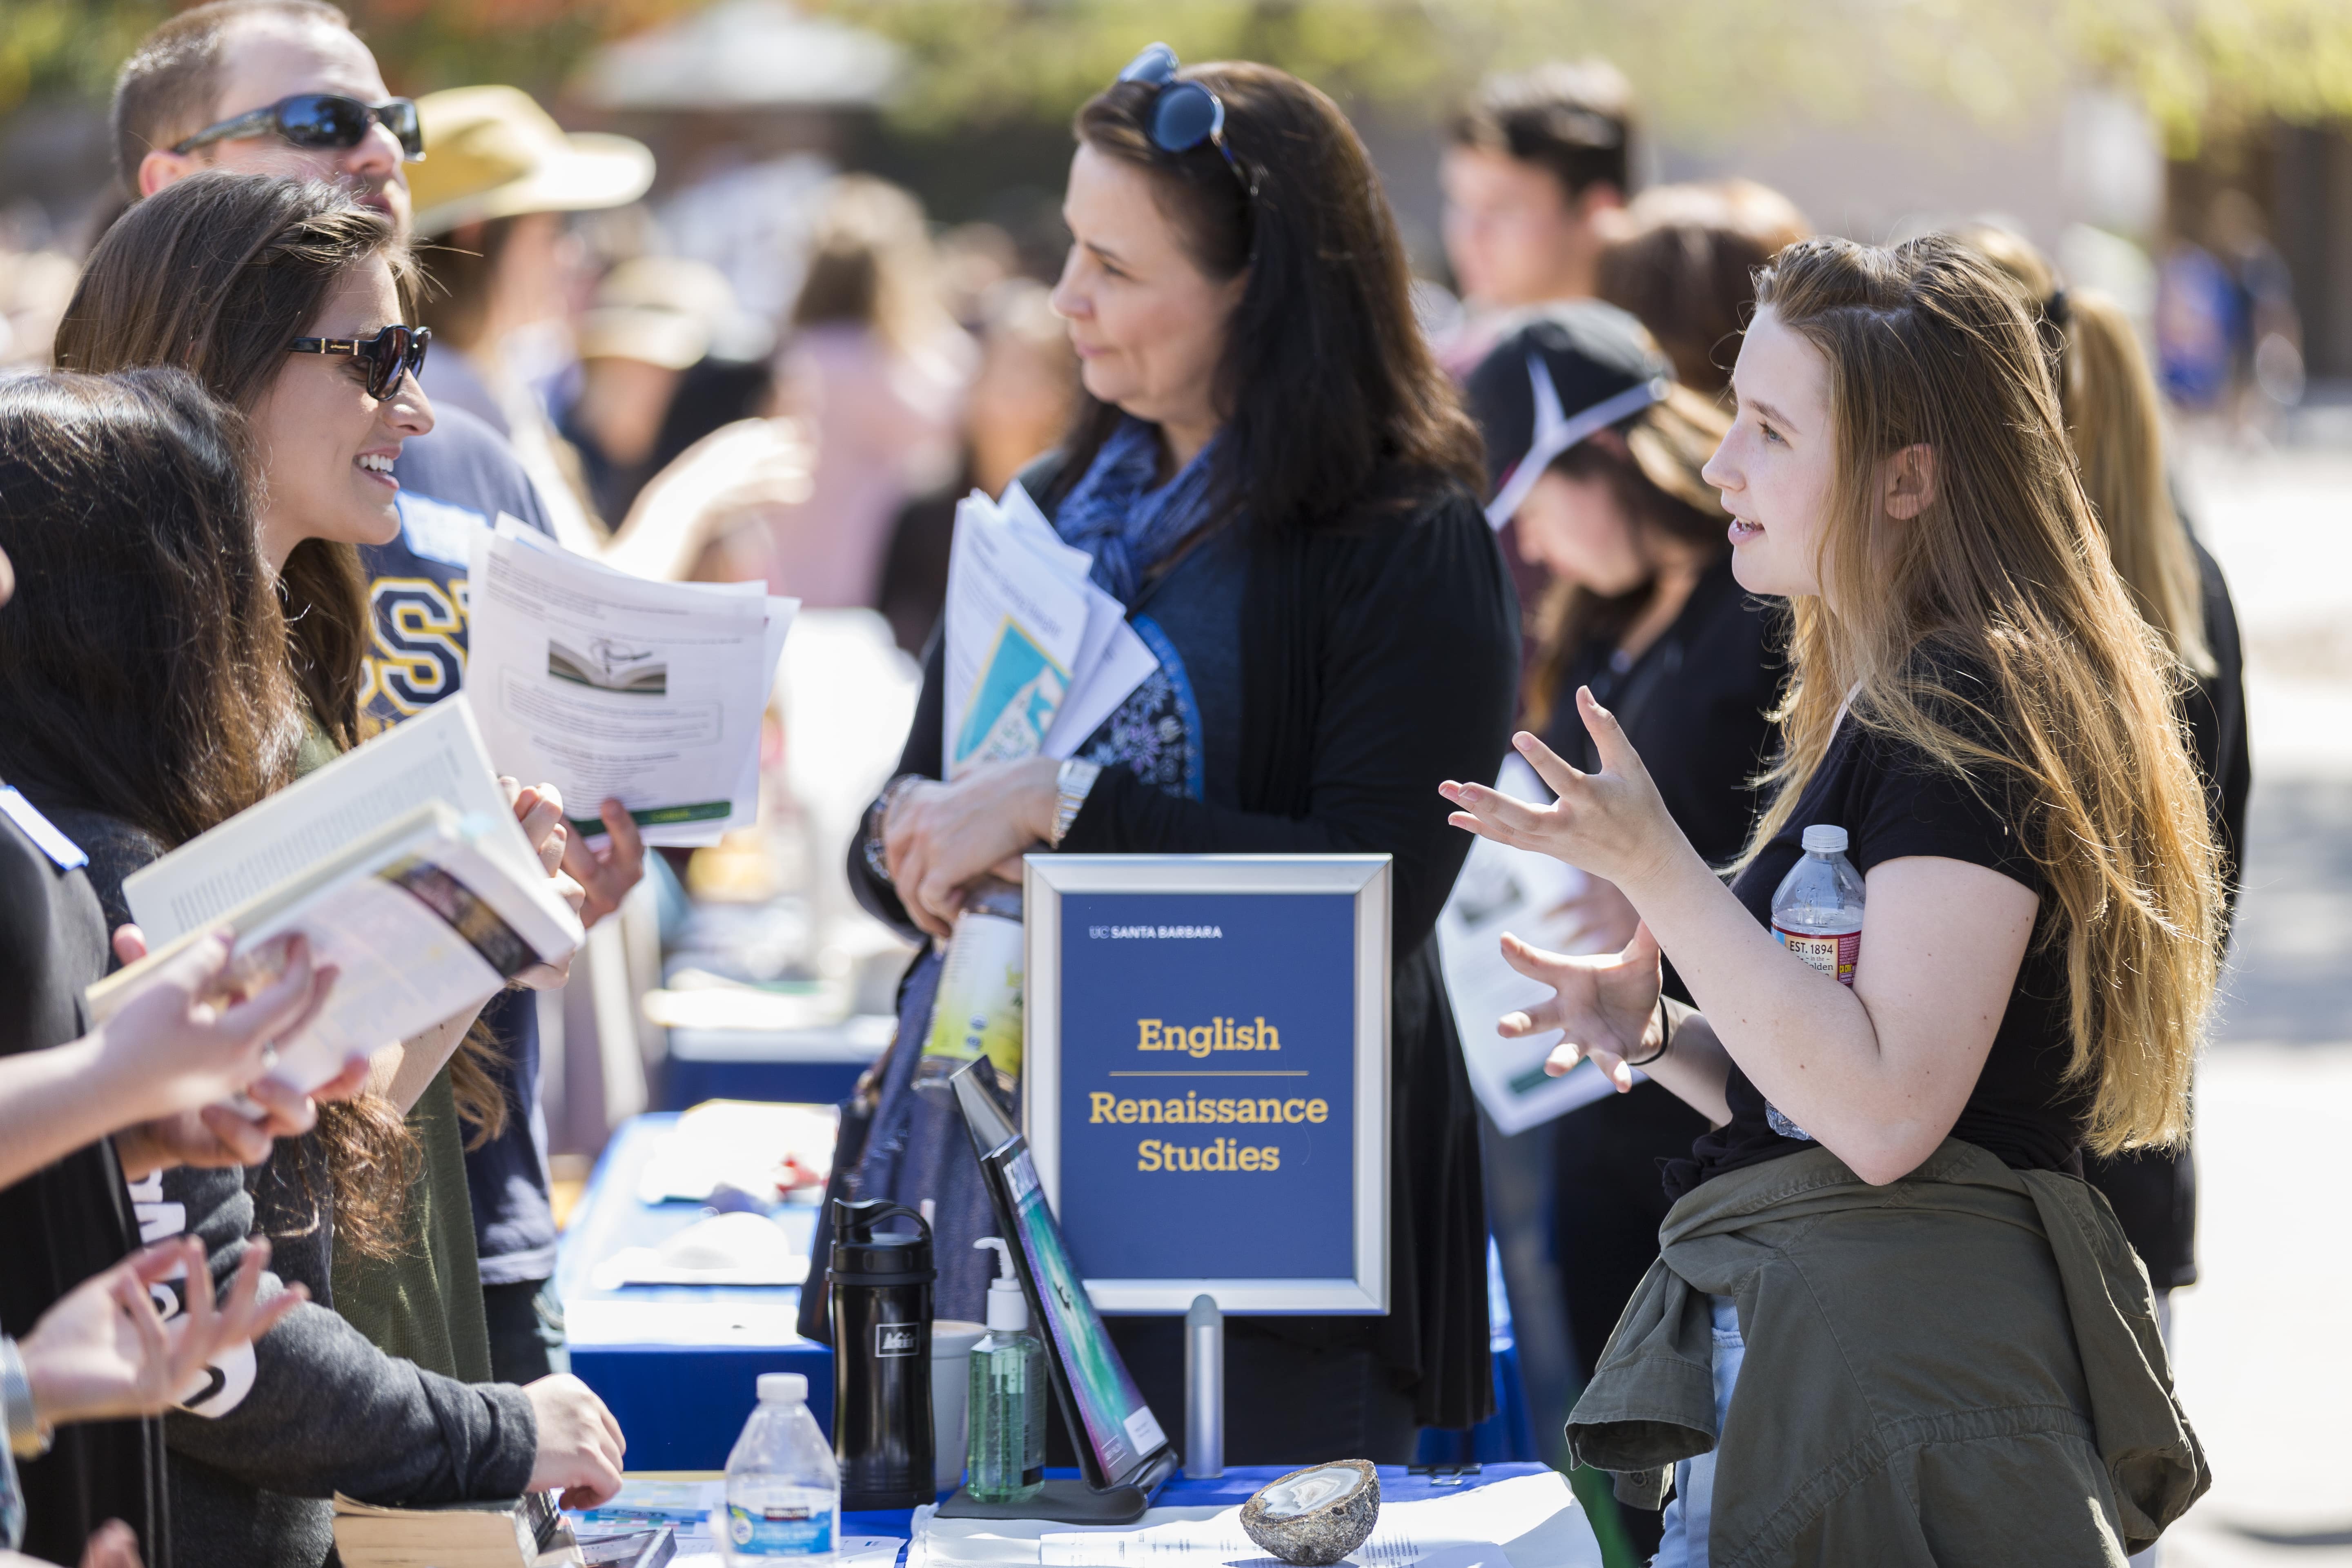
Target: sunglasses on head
column 1184, row 114
column 320, row 120
column 397, row 350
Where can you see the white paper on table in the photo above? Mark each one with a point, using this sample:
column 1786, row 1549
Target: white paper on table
column 661, row 692
column 1506, row 890
column 1015, row 626
column 1528, row 1521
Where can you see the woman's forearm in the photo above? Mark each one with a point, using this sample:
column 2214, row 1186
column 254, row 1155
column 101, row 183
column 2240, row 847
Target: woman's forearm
column 1805, row 1040
column 1694, row 1069
column 55, row 1102
column 404, row 1070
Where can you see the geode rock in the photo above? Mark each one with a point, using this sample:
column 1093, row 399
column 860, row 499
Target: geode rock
column 1315, row 1516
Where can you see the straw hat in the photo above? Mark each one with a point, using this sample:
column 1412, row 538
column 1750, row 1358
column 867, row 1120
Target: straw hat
column 494, row 153
column 659, row 309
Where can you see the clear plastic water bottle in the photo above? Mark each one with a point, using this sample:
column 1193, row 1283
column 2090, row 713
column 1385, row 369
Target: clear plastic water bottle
column 1817, row 915
column 783, row 1490
column 1817, row 907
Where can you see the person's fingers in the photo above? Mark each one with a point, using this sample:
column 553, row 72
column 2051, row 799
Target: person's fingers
column 1563, row 1059
column 130, row 943
column 1641, row 948
column 236, row 1140
column 613, row 1430
column 1540, row 1018
column 282, row 1007
column 1551, row 968
column 1548, row 763
column 152, row 1265
column 1617, row 753
column 290, row 1111
column 1513, row 819
column 110, row 1545
column 344, row 1084
column 513, row 788
column 274, row 1311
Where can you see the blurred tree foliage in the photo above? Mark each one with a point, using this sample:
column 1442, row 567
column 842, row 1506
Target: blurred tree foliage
column 1703, row 67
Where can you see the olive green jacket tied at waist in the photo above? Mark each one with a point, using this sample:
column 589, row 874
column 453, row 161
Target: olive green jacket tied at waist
column 1960, row 1367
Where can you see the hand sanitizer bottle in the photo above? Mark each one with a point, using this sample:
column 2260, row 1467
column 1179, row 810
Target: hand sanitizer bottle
column 1817, row 915
column 783, row 1489
column 1006, row 1462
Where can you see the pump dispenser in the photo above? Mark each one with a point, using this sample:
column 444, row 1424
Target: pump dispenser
column 1007, row 1459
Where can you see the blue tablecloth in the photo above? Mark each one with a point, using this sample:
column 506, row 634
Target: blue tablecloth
column 679, row 1364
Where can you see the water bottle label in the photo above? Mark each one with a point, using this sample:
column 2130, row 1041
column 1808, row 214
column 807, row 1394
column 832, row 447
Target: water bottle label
column 1834, row 956
column 780, row 1532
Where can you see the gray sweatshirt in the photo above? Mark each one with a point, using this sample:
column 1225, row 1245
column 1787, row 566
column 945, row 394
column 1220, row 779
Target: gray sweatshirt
column 314, row 1408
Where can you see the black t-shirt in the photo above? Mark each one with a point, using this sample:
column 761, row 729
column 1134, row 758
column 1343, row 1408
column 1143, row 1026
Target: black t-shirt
column 1894, row 802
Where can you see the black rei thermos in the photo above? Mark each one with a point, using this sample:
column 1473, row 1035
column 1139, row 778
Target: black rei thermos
column 881, row 1287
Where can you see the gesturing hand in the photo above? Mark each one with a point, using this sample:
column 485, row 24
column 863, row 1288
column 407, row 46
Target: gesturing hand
column 101, row 1352
column 188, row 1039
column 1606, row 1007
column 1613, row 823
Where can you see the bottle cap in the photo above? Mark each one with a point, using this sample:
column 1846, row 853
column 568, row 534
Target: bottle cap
column 1008, row 1308
column 1823, row 838
column 784, row 1388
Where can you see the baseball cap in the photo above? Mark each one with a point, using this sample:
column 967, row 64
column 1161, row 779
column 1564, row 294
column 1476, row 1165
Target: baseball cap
column 1567, row 374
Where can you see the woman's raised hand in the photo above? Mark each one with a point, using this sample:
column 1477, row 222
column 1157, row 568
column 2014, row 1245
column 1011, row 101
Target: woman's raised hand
column 1613, row 823
column 1605, row 1007
column 540, row 809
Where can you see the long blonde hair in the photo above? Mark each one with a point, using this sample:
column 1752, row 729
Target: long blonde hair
column 2114, row 416
column 2006, row 574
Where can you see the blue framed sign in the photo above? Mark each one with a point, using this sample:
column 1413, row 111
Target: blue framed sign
column 1205, row 1076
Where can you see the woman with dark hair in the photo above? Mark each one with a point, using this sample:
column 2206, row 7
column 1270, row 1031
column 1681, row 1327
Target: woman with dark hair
column 1597, row 452
column 1273, row 474
column 285, row 301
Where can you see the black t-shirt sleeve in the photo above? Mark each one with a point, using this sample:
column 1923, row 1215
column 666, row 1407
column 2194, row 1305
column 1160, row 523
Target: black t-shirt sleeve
column 1915, row 806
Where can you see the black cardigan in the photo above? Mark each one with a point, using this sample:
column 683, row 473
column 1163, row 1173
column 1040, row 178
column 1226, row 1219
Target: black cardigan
column 1378, row 656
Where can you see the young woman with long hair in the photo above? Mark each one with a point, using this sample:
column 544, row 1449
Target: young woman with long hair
column 1643, row 606
column 144, row 696
column 2114, row 418
column 1878, row 1265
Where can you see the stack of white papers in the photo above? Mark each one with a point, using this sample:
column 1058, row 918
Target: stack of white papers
column 1037, row 655
column 612, row 686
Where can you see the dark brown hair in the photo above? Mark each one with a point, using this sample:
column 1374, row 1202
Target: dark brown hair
column 170, row 86
column 217, row 274
column 142, row 668
column 1685, row 265
column 1653, row 475
column 1327, row 388
column 1574, row 118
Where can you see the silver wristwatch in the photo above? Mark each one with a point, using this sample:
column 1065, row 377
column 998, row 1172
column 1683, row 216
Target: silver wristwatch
column 1072, row 783
column 28, row 1437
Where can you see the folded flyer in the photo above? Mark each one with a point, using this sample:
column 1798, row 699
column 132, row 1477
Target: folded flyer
column 612, row 687
column 1037, row 654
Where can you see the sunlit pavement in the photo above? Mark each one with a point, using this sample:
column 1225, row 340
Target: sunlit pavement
column 2263, row 1344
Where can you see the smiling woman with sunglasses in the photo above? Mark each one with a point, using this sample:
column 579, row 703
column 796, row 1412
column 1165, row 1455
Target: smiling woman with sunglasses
column 1273, row 475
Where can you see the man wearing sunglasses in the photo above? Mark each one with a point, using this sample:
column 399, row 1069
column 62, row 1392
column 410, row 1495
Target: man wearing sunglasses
column 284, row 87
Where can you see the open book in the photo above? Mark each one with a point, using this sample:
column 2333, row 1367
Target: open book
column 402, row 863
column 420, row 923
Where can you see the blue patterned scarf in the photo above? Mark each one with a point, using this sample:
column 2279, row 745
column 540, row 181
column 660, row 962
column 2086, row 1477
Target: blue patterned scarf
column 1115, row 515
